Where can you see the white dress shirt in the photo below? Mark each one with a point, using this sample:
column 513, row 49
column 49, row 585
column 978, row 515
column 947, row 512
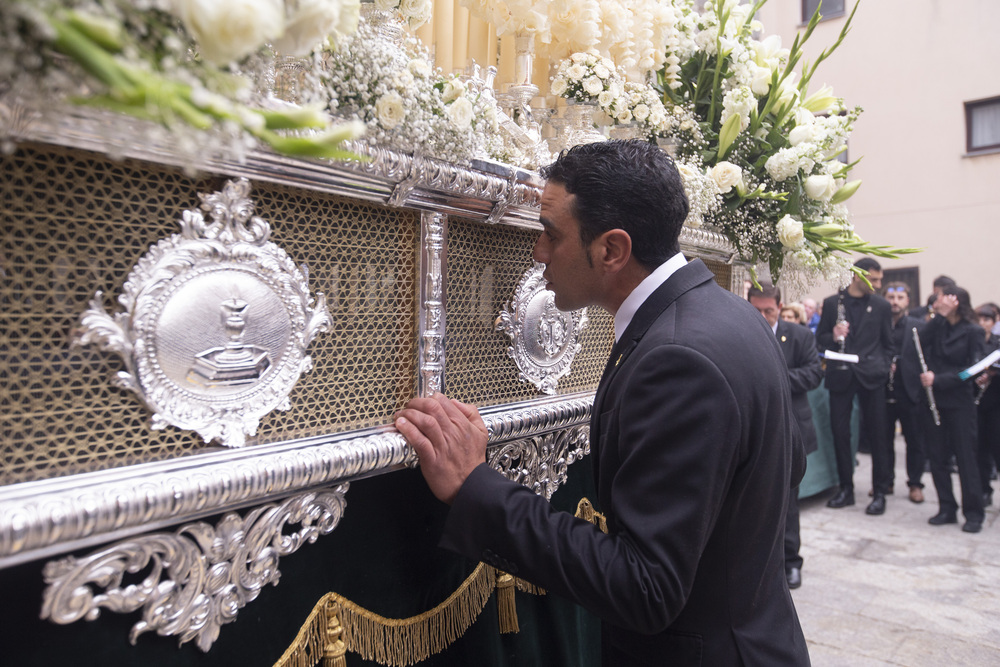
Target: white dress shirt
column 642, row 291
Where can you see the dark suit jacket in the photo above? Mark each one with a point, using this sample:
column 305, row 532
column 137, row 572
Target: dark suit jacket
column 907, row 378
column 805, row 372
column 868, row 338
column 950, row 349
column 695, row 451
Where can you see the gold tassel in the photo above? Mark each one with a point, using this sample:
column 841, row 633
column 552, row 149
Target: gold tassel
column 334, row 651
column 505, row 603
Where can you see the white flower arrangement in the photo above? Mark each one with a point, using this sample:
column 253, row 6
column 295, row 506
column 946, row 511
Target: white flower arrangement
column 403, row 101
column 414, row 12
column 136, row 58
column 588, row 77
column 640, row 104
column 759, row 156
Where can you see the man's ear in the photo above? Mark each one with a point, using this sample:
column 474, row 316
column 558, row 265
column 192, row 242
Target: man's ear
column 615, row 250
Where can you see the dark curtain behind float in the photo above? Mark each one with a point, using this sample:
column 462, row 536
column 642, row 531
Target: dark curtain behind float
column 383, row 556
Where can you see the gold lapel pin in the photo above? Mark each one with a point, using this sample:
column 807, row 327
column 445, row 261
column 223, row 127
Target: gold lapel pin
column 783, row 339
column 618, row 360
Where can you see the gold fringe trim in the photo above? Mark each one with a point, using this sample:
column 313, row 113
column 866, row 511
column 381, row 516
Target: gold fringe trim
column 336, row 625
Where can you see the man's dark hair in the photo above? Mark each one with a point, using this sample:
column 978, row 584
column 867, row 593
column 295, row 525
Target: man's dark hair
column 987, row 311
column 943, row 281
column 965, row 310
column 630, row 185
column 868, row 264
column 766, row 291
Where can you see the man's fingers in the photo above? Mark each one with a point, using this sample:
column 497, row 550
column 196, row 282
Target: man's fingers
column 471, row 413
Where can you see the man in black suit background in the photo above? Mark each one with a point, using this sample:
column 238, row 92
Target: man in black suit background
column 856, row 321
column 903, row 391
column 692, row 433
column 805, row 373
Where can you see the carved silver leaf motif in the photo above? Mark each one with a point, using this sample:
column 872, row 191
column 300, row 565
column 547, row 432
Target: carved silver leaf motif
column 432, row 299
column 216, row 322
column 542, row 463
column 199, row 577
column 544, row 339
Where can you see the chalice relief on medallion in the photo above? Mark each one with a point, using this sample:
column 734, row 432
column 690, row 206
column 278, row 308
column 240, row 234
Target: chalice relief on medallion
column 216, row 322
column 552, row 328
column 236, row 362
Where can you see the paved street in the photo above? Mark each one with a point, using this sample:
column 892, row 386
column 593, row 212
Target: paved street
column 893, row 590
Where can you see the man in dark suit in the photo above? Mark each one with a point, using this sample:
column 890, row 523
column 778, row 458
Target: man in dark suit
column 856, row 321
column 804, row 374
column 692, row 432
column 903, row 391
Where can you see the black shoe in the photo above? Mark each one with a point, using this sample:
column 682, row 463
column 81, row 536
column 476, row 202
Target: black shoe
column 942, row 518
column 794, row 576
column 842, row 499
column 876, row 506
column 972, row 526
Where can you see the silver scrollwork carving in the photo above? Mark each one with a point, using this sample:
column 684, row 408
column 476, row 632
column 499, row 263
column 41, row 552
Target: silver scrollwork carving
column 216, row 322
column 541, row 463
column 199, row 577
column 544, row 339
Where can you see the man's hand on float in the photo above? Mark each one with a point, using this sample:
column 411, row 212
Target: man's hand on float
column 449, row 438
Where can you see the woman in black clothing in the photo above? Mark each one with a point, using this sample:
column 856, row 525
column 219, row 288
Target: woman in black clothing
column 953, row 341
column 988, row 408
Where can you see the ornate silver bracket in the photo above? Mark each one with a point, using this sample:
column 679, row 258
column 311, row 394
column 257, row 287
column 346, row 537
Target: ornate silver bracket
column 216, row 322
column 433, row 251
column 201, row 576
column 542, row 463
column 416, row 175
column 544, row 338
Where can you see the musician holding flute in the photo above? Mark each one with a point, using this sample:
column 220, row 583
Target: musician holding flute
column 862, row 328
column 988, row 406
column 951, row 342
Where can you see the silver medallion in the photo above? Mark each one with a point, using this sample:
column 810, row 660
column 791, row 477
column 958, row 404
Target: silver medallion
column 544, row 339
column 216, row 322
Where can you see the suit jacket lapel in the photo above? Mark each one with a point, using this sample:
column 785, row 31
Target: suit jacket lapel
column 690, row 275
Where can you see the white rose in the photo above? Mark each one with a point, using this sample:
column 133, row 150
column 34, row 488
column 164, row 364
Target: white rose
column 726, row 175
column 228, row 30
column 460, row 113
column 605, row 98
column 403, row 78
column 386, row 5
column 790, row 232
column 576, row 72
column 350, row 14
column 389, row 110
column 623, row 116
column 452, row 90
column 419, row 67
column 601, row 71
column 558, row 87
column 641, row 112
column 307, row 26
column 593, row 85
column 821, row 187
column 578, row 57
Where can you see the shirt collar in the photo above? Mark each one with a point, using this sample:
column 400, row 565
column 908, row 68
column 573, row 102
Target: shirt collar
column 775, row 327
column 642, row 291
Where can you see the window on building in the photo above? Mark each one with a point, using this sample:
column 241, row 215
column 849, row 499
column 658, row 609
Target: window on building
column 982, row 125
column 831, row 8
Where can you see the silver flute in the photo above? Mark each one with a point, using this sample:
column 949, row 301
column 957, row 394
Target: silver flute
column 891, row 386
column 841, row 319
column 929, row 389
column 982, row 389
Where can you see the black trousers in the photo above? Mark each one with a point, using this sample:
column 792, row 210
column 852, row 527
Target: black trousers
column 872, row 404
column 956, row 435
column 792, row 539
column 916, row 452
column 988, row 430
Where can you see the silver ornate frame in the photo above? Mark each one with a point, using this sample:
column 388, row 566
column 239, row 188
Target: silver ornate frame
column 127, row 509
column 177, row 285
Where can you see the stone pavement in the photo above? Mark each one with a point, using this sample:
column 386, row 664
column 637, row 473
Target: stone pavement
column 893, row 590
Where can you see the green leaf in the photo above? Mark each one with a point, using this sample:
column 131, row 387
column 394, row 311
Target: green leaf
column 845, row 193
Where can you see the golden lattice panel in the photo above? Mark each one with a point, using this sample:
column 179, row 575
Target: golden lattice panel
column 74, row 223
column 485, row 263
